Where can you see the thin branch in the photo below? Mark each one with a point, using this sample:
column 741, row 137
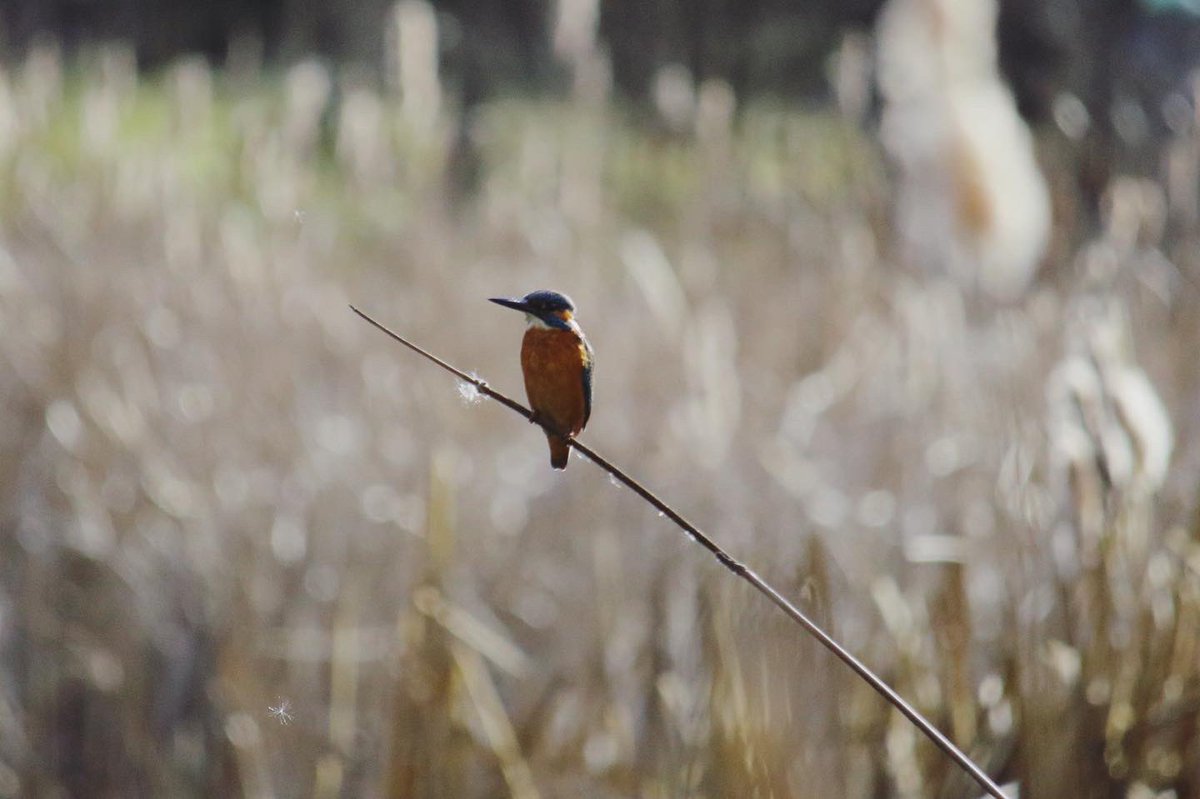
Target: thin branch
column 732, row 564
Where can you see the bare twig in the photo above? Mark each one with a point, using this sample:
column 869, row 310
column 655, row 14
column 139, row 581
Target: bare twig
column 732, row 564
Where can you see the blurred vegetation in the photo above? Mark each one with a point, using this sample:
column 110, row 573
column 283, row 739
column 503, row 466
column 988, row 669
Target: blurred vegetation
column 1104, row 51
column 250, row 547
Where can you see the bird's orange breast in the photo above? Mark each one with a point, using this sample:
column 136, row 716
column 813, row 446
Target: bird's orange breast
column 553, row 362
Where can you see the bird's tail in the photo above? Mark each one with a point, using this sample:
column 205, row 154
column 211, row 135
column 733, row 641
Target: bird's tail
column 560, row 451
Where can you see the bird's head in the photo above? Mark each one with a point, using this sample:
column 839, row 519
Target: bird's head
column 543, row 308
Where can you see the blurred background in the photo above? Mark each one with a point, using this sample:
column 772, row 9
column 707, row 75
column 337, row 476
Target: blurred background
column 898, row 300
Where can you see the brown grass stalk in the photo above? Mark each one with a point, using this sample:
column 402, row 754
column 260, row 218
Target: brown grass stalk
column 729, row 562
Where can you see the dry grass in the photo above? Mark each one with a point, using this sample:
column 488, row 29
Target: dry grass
column 252, row 548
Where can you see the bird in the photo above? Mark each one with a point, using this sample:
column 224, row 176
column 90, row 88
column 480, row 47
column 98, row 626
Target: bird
column 557, row 362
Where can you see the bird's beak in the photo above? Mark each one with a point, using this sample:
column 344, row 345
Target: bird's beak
column 516, row 305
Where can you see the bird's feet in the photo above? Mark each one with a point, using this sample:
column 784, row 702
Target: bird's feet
column 547, row 424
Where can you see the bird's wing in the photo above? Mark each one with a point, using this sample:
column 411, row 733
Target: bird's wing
column 587, row 380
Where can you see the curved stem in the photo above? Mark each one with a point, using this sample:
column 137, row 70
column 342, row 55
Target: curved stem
column 732, row 564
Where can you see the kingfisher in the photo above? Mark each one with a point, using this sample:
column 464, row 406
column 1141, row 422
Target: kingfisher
column 556, row 360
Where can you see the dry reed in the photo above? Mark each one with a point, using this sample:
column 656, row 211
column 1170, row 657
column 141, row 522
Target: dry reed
column 220, row 492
